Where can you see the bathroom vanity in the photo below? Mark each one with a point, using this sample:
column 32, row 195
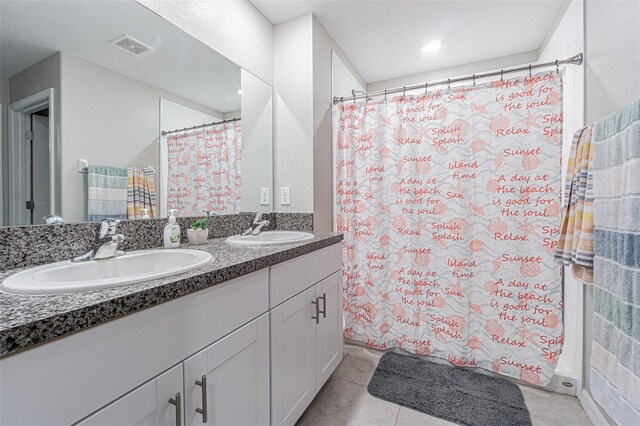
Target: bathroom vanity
column 248, row 339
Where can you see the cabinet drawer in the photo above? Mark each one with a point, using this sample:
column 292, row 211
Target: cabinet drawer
column 290, row 278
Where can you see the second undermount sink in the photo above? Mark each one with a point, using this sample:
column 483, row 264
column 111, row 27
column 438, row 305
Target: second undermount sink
column 270, row 238
column 133, row 267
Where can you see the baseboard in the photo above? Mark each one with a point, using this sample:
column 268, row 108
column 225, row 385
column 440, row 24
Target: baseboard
column 592, row 410
column 564, row 383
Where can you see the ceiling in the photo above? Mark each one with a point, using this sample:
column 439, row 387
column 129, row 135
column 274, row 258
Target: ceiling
column 382, row 38
column 31, row 31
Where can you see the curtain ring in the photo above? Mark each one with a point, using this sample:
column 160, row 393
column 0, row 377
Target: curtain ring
column 426, row 87
column 404, row 92
column 529, row 70
column 502, row 76
column 354, row 98
column 474, row 80
column 449, row 84
column 366, row 97
column 557, row 67
column 385, row 95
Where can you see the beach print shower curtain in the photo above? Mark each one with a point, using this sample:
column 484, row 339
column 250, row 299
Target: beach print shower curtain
column 204, row 170
column 449, row 203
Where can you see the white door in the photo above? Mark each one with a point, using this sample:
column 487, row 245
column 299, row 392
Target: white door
column 293, row 357
column 153, row 403
column 227, row 383
column 38, row 157
column 329, row 339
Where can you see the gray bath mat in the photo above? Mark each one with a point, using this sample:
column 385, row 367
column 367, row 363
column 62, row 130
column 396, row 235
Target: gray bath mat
column 450, row 393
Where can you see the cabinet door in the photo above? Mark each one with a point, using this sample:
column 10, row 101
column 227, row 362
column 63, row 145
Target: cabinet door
column 227, row 383
column 153, row 403
column 329, row 339
column 293, row 360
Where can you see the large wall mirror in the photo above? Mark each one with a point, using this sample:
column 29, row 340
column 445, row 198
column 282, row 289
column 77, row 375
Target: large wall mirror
column 108, row 110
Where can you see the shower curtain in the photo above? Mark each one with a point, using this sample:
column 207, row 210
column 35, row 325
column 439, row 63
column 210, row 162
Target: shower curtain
column 204, row 170
column 449, row 203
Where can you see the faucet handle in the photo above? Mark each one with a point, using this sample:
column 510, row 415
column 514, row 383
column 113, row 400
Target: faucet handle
column 257, row 217
column 107, row 227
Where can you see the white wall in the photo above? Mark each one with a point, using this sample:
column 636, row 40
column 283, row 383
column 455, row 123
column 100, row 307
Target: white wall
column 257, row 141
column 324, row 50
column 4, row 105
column 234, row 29
column 293, row 113
column 108, row 119
column 38, row 77
column 174, row 115
column 612, row 81
column 467, row 69
column 303, row 126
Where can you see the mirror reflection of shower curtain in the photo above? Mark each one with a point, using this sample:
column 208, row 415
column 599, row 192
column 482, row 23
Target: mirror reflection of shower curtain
column 449, row 204
column 204, row 170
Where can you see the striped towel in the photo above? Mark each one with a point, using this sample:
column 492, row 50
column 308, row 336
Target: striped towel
column 615, row 357
column 141, row 192
column 107, row 192
column 575, row 245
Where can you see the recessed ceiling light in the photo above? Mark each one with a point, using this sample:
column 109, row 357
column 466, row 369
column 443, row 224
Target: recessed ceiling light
column 431, row 46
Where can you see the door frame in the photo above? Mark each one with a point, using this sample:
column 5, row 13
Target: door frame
column 19, row 113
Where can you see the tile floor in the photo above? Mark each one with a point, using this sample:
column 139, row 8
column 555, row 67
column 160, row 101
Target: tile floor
column 344, row 400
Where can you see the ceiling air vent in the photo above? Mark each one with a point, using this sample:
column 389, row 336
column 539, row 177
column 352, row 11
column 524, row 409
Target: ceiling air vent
column 131, row 45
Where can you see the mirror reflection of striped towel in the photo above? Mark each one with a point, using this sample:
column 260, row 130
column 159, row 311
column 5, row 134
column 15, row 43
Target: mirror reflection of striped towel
column 141, row 192
column 615, row 355
column 107, row 192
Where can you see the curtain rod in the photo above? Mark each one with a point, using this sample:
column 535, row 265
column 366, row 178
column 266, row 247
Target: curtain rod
column 187, row 129
column 574, row 60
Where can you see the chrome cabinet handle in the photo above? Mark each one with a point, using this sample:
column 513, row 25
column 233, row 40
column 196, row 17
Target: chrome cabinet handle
column 324, row 305
column 177, row 401
column 317, row 317
column 204, row 411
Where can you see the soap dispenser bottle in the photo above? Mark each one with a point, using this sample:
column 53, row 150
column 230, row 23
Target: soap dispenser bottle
column 172, row 231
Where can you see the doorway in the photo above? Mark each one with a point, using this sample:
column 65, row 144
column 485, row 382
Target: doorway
column 31, row 159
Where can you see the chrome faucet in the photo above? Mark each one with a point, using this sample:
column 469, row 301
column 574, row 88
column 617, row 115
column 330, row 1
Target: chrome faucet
column 106, row 242
column 256, row 224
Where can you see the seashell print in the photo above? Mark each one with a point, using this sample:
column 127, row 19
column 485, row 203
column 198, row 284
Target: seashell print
column 497, row 225
column 499, row 122
column 494, row 328
column 529, row 269
column 478, row 145
column 530, row 162
column 476, row 245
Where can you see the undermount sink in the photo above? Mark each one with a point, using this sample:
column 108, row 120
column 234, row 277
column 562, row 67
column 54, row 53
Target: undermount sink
column 131, row 268
column 270, row 238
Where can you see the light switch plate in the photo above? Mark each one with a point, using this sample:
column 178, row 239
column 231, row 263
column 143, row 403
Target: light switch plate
column 284, row 196
column 264, row 197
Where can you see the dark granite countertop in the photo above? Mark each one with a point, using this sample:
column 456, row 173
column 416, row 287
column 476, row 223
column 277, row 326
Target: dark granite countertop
column 29, row 320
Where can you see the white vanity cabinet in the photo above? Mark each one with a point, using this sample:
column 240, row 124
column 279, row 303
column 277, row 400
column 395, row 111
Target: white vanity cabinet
column 254, row 350
column 293, row 357
column 329, row 336
column 227, row 383
column 306, row 330
column 107, row 367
